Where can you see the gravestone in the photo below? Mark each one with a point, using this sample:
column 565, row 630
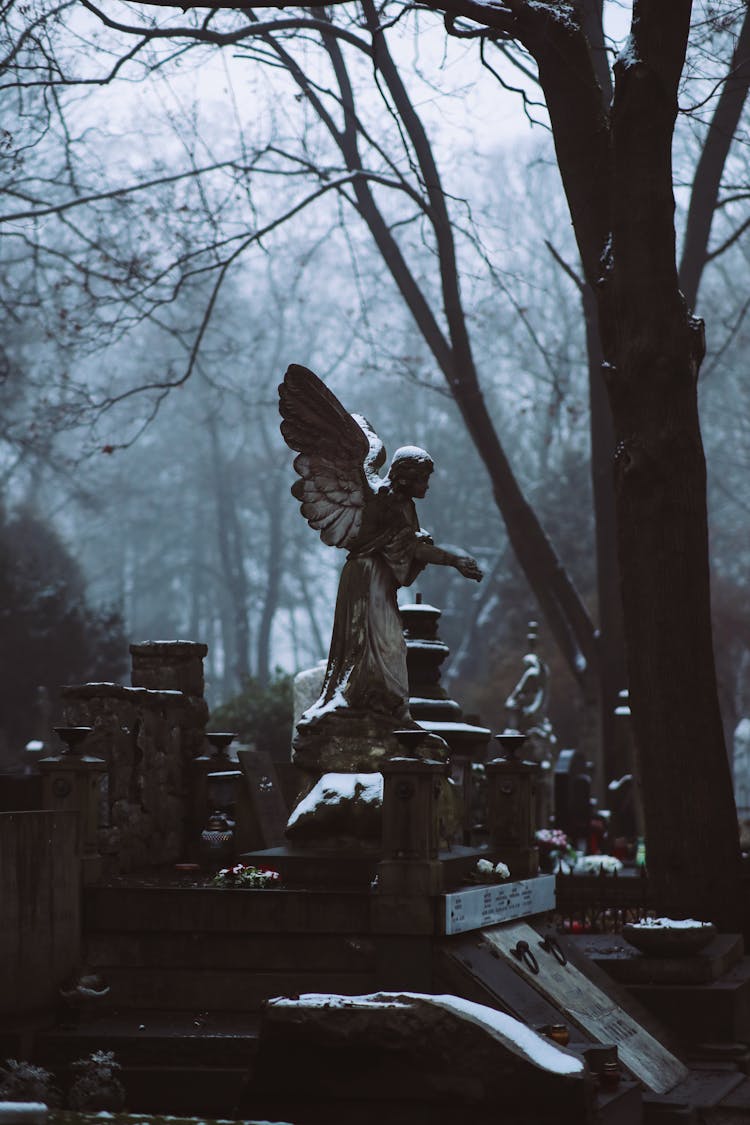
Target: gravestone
column 573, row 795
column 593, row 1006
column 621, row 795
column 261, row 809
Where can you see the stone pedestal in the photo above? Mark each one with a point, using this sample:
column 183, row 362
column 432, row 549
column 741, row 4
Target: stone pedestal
column 148, row 739
column 168, row 666
column 72, row 783
column 411, row 828
column 432, row 708
column 511, row 802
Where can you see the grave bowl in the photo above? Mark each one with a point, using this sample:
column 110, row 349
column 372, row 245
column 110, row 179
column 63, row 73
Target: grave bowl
column 680, row 940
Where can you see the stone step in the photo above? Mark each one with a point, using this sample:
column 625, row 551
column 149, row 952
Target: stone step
column 149, row 1037
column 717, row 1011
column 733, row 1109
column 194, row 1091
column 219, row 910
column 200, row 950
column 617, row 957
column 300, row 867
column 697, row 1100
column 171, row 1062
column 183, row 990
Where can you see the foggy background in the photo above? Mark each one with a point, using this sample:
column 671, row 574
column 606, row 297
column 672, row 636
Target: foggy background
column 147, row 324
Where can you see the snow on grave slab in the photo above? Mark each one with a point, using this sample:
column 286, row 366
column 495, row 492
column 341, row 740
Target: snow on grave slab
column 508, row 1030
column 413, row 1047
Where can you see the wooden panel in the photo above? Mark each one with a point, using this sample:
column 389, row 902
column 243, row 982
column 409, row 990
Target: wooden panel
column 10, row 913
column 40, row 915
column 591, row 1008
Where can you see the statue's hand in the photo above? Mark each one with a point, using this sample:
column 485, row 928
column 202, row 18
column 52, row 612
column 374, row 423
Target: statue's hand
column 469, row 567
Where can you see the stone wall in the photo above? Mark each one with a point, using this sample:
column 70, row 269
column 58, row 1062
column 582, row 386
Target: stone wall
column 148, row 735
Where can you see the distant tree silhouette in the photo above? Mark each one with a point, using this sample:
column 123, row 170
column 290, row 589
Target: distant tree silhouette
column 49, row 634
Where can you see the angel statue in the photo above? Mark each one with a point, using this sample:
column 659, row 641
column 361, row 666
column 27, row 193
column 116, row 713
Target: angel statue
column 365, row 693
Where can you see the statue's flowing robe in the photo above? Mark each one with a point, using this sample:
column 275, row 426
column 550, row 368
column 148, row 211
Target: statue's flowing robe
column 367, row 660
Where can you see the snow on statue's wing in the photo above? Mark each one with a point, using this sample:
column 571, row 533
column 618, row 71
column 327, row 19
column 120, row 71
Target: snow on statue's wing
column 337, row 456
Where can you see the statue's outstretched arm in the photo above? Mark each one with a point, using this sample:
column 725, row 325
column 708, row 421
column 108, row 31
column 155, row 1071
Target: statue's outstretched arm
column 427, row 552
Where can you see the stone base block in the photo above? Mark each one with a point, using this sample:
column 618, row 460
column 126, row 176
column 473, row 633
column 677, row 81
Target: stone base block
column 697, row 1013
column 410, row 877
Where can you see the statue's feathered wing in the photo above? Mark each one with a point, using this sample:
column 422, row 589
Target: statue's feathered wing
column 338, row 455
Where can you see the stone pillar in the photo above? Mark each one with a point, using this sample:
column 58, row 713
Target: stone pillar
column 511, row 800
column 411, row 830
column 149, row 738
column 168, row 666
column 71, row 782
column 431, row 707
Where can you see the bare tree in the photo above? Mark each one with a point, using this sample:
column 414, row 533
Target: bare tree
column 616, row 169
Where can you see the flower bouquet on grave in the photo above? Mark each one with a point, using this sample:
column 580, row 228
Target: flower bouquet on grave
column 245, row 875
column 597, row 865
column 488, row 872
column 555, row 849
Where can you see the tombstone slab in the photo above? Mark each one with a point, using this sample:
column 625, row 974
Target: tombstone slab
column 261, row 809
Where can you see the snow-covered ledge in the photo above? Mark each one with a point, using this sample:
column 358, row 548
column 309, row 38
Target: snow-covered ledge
column 425, row 1050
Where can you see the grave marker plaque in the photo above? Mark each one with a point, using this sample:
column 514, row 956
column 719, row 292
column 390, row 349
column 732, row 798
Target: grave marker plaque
column 261, row 810
column 472, row 908
column 590, row 1008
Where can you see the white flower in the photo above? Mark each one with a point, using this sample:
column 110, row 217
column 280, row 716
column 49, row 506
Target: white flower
column 502, row 870
column 484, row 867
column 593, row 864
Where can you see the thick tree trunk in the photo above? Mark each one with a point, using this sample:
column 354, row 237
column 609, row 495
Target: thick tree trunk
column 660, row 487
column 652, row 352
column 612, row 664
column 693, row 854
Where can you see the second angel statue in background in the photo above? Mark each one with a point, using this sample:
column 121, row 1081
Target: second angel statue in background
column 365, row 694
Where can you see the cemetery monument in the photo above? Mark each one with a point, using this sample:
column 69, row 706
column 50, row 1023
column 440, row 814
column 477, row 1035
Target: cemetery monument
column 365, row 695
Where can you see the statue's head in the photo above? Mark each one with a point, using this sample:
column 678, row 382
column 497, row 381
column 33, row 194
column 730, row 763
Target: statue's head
column 410, row 470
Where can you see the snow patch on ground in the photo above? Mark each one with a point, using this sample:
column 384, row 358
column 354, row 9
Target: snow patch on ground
column 669, row 924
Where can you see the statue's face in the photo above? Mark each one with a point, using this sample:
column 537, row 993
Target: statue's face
column 415, row 479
